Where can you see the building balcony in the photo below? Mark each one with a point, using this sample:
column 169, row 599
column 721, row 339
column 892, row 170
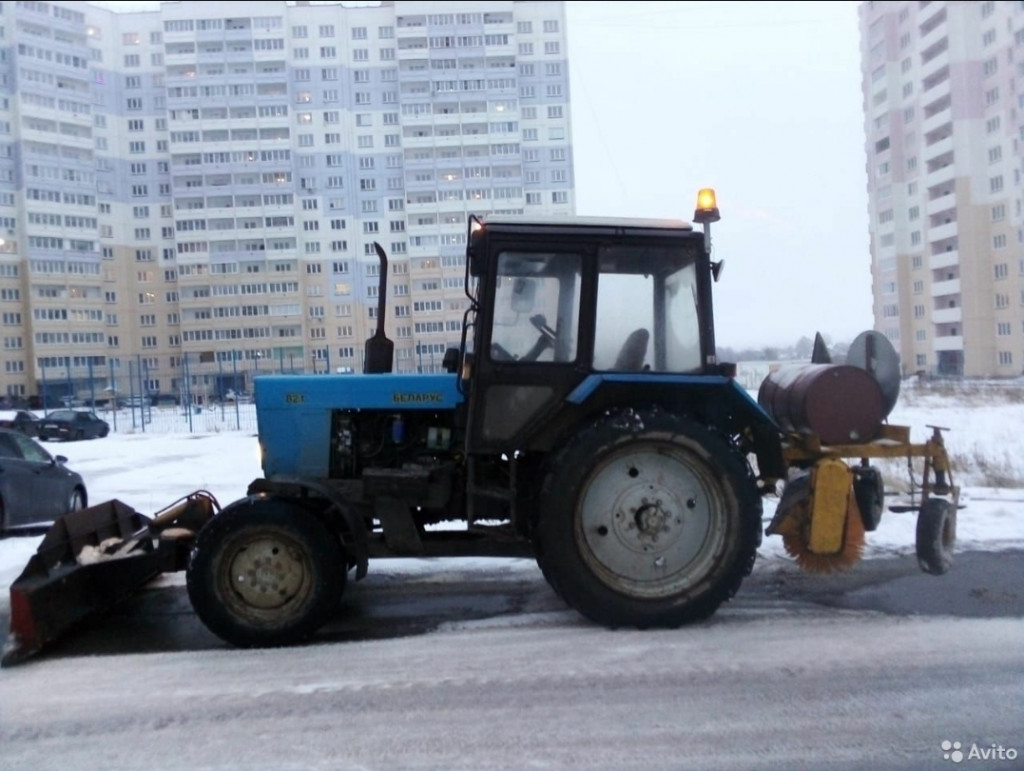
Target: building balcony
column 941, row 204
column 936, row 149
column 449, row 140
column 936, row 32
column 282, row 254
column 942, row 232
column 275, row 209
column 412, row 50
column 413, row 142
column 411, row 28
column 940, row 175
column 423, row 119
column 499, row 27
column 938, row 120
column 935, row 64
column 414, row 69
column 947, row 315
column 948, row 343
column 173, row 36
column 944, row 260
column 192, row 258
column 943, row 288
column 936, row 91
column 509, row 49
column 179, row 57
column 424, row 207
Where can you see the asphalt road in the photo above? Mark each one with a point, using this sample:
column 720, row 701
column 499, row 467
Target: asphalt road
column 485, row 668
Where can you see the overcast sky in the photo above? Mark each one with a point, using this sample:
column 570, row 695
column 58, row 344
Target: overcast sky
column 760, row 100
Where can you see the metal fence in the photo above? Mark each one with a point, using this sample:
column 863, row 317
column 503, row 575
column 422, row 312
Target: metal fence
column 174, row 419
column 202, row 392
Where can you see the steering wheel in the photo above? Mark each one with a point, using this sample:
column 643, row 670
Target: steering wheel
column 545, row 341
column 500, row 353
column 540, row 323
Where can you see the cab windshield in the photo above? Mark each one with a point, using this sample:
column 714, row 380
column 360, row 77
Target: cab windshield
column 536, row 307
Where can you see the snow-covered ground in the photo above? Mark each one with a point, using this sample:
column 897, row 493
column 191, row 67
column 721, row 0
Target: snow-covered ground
column 151, row 470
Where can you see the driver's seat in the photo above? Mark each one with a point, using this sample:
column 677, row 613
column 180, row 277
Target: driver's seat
column 633, row 352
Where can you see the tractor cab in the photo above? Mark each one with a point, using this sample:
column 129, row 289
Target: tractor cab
column 568, row 313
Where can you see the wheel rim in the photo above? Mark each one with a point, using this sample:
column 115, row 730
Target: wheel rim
column 76, row 502
column 266, row 572
column 649, row 522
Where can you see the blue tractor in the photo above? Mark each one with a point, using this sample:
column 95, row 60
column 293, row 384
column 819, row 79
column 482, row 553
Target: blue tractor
column 584, row 420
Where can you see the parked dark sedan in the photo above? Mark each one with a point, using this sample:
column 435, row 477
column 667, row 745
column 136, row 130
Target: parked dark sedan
column 20, row 420
column 72, row 424
column 35, row 486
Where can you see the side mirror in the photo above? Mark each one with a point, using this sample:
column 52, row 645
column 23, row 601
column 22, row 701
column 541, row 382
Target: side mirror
column 62, row 459
column 524, row 291
column 450, row 362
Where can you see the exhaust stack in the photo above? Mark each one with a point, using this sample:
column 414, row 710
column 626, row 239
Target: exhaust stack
column 379, row 350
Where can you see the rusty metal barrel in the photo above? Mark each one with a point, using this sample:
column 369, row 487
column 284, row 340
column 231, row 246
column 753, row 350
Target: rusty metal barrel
column 840, row 403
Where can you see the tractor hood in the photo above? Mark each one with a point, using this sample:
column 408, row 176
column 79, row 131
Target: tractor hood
column 294, row 412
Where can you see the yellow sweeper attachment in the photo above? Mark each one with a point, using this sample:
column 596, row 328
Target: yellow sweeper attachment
column 819, row 520
column 827, row 506
column 829, row 413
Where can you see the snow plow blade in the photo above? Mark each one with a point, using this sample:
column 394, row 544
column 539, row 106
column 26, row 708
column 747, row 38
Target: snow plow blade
column 92, row 559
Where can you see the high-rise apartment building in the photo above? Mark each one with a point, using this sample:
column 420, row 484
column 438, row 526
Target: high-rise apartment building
column 197, row 190
column 943, row 90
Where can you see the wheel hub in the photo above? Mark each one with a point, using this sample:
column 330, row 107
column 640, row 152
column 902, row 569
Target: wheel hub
column 643, row 523
column 646, row 519
column 651, row 519
column 267, row 574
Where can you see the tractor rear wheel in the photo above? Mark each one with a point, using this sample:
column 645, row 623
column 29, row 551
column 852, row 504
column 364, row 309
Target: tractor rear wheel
column 265, row 573
column 647, row 520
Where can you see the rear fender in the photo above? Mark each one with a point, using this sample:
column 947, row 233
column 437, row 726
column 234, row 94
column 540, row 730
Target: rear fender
column 717, row 401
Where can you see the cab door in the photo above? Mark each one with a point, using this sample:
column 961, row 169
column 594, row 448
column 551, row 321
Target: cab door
column 532, row 350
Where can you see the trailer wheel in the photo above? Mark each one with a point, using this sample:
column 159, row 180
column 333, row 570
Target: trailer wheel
column 647, row 520
column 265, row 573
column 936, row 536
column 869, row 491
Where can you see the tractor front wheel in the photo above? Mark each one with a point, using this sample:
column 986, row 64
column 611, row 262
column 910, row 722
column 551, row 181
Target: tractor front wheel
column 647, row 520
column 265, row 573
